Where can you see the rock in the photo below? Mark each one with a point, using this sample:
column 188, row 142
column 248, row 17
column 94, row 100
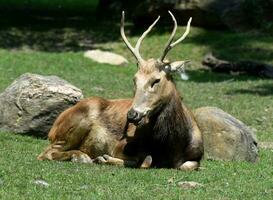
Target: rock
column 105, row 57
column 170, row 180
column 32, row 102
column 225, row 137
column 41, row 183
column 189, row 184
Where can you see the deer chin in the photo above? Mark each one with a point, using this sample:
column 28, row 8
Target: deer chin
column 144, row 120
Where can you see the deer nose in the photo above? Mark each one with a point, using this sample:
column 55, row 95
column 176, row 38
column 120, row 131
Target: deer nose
column 134, row 116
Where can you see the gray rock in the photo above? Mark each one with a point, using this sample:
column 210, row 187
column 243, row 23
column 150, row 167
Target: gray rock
column 105, row 57
column 225, row 137
column 32, row 102
column 41, row 183
column 189, row 185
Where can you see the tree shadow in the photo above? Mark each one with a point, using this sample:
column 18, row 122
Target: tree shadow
column 261, row 90
column 224, row 44
column 57, row 35
column 236, row 46
column 205, row 75
column 62, row 34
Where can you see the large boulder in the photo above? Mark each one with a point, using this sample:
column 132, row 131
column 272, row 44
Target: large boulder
column 105, row 57
column 32, row 102
column 225, row 137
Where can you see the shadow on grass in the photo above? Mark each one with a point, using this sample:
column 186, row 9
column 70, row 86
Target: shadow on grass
column 261, row 90
column 52, row 35
column 76, row 33
column 236, row 46
column 224, row 44
column 81, row 33
column 204, row 76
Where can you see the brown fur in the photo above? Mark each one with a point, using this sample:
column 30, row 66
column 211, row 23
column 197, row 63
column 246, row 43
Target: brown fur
column 93, row 127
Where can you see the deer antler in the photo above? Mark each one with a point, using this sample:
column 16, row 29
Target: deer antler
column 169, row 44
column 135, row 50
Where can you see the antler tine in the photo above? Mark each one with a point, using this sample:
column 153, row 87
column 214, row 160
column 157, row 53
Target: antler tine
column 145, row 34
column 170, row 45
column 135, row 51
column 184, row 35
column 137, row 55
column 167, row 47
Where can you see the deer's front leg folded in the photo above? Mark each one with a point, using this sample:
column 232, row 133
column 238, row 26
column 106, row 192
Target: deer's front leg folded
column 106, row 159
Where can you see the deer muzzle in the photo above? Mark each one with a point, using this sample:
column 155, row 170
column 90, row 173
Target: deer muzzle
column 134, row 116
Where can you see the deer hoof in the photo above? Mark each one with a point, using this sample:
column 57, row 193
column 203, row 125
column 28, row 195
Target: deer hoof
column 100, row 160
column 147, row 162
column 189, row 166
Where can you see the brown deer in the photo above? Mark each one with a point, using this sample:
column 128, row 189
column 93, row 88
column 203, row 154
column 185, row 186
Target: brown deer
column 153, row 129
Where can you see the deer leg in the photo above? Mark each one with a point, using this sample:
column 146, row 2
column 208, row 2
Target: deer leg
column 193, row 156
column 147, row 162
column 109, row 160
column 106, row 159
column 189, row 166
column 55, row 152
column 194, row 151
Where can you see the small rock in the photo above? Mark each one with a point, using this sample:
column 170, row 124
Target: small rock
column 98, row 89
column 106, row 57
column 41, row 183
column 189, row 185
column 170, row 180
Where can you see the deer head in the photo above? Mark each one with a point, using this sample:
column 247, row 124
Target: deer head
column 153, row 82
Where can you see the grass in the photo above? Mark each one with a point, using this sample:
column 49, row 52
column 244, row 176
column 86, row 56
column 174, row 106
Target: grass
column 247, row 98
column 222, row 180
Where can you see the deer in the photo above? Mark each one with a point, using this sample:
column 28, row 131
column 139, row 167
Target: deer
column 154, row 129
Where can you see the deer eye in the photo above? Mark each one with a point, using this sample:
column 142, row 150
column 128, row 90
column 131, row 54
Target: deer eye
column 155, row 82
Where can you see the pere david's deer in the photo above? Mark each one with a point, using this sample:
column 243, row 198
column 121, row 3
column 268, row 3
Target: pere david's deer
column 152, row 129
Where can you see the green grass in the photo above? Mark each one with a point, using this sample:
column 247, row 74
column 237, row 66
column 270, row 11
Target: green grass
column 222, row 180
column 247, row 98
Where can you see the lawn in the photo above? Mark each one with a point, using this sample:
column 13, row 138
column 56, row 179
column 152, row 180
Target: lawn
column 60, row 52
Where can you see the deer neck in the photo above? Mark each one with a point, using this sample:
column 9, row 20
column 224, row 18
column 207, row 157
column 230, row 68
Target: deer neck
column 172, row 122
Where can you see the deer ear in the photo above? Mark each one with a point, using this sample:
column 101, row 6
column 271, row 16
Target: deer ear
column 177, row 66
